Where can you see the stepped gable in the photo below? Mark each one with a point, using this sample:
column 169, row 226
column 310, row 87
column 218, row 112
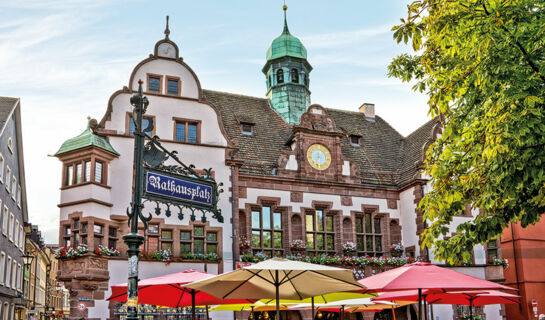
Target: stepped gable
column 413, row 150
column 259, row 152
column 377, row 156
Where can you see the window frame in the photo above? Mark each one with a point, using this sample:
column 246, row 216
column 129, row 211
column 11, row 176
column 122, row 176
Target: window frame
column 294, row 75
column 271, row 251
column 153, row 75
column 2, row 165
column 364, row 233
column 187, row 122
column 10, row 145
column 5, row 220
column 8, row 178
column 315, row 231
column 11, row 224
column 128, row 119
column 245, row 132
column 179, row 87
column 2, row 267
column 352, row 143
column 280, row 76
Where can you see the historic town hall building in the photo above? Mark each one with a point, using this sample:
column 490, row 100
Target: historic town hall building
column 290, row 170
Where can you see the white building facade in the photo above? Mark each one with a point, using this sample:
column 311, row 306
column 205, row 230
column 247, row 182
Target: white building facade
column 327, row 178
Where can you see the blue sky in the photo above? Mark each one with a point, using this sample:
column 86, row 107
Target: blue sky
column 65, row 58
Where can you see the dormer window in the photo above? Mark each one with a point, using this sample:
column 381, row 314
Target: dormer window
column 154, row 83
column 354, row 140
column 173, row 86
column 294, row 76
column 247, row 129
column 279, row 76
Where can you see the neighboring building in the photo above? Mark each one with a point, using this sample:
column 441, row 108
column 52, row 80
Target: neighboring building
column 525, row 251
column 13, row 210
column 38, row 276
column 54, row 289
column 290, row 171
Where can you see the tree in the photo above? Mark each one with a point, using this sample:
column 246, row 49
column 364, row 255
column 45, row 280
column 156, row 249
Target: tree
column 482, row 64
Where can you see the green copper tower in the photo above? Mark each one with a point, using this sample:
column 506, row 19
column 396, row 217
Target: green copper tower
column 287, row 76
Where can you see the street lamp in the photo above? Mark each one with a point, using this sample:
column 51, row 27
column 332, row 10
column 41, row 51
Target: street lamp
column 27, row 262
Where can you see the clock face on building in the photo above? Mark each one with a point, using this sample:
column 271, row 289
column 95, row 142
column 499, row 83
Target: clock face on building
column 318, row 156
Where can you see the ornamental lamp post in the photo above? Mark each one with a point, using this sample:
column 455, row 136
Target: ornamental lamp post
column 27, row 262
column 133, row 239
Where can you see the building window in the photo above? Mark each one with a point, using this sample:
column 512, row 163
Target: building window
column 185, row 241
column 87, row 171
column 173, row 86
column 166, row 240
column 294, row 75
column 16, row 233
column 279, row 76
column 198, row 240
column 97, row 229
column 67, row 231
column 211, row 242
column 368, row 235
column 10, row 226
column 2, row 267
column 320, row 232
column 8, row 177
column 145, row 123
column 354, row 140
column 267, row 231
column 78, row 173
column 153, row 237
column 187, row 131
column 21, row 238
column 247, row 129
column 19, row 196
column 8, row 272
column 154, row 83
column 492, row 250
column 5, row 221
column 10, row 145
column 14, row 275
column 69, row 176
column 98, row 172
column 1, row 168
column 112, row 238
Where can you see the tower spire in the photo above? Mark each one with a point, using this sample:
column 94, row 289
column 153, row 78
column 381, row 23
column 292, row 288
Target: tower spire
column 285, row 8
column 167, row 30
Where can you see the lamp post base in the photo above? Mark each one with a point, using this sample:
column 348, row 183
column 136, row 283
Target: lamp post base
column 133, row 241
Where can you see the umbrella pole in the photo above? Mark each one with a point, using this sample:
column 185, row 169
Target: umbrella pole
column 277, row 285
column 342, row 312
column 193, row 315
column 471, row 309
column 419, row 304
column 312, row 301
column 207, row 315
column 425, row 309
column 393, row 313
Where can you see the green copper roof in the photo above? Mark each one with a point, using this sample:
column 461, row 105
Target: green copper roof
column 286, row 45
column 86, row 139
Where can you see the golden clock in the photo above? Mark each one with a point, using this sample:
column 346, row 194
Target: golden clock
column 318, row 156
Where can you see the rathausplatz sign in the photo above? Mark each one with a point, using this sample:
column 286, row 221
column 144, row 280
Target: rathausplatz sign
column 177, row 188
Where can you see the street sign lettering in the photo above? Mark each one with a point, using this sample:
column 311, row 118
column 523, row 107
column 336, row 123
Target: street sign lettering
column 178, row 188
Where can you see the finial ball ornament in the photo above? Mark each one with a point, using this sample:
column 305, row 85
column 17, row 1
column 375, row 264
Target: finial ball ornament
column 285, row 7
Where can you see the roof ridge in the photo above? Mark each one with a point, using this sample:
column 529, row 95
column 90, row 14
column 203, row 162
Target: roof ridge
column 420, row 127
column 236, row 94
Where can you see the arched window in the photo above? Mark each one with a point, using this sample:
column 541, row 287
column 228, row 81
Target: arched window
column 296, row 227
column 294, row 76
column 270, row 82
column 279, row 76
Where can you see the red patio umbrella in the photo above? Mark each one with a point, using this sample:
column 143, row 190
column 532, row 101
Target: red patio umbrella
column 467, row 298
column 167, row 291
column 424, row 275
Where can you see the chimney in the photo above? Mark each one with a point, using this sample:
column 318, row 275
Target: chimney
column 368, row 109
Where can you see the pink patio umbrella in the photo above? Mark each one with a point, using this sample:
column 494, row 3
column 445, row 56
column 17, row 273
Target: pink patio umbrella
column 167, row 291
column 467, row 298
column 424, row 275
